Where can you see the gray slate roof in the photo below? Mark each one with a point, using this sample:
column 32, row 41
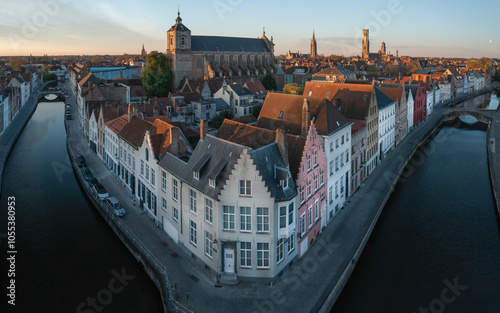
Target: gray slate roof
column 268, row 160
column 228, row 44
column 240, row 90
column 209, row 151
column 383, row 100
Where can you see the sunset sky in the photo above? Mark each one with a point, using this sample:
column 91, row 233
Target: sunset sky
column 416, row 28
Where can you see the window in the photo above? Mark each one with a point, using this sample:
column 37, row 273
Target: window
column 321, row 177
column 164, row 204
column 308, row 162
column 316, row 209
column 245, row 188
column 192, row 232
column 315, row 182
column 336, row 143
column 129, row 159
column 302, row 194
column 347, row 137
column 183, row 40
column 282, row 220
column 315, row 158
column 310, row 216
column 331, row 146
column 163, row 180
column 290, row 214
column 336, row 189
column 347, row 156
column 211, row 183
column 142, row 168
column 174, row 189
column 303, row 224
column 262, row 219
column 196, row 175
column 147, row 155
column 291, row 242
column 342, row 140
column 209, row 244
column 337, row 163
column 280, row 250
column 147, row 172
column 227, row 217
column 309, row 192
column 152, row 177
column 341, row 159
column 331, row 167
column 262, row 255
column 245, row 219
column 175, row 214
column 192, row 200
column 330, row 194
column 342, row 185
column 208, row 210
column 245, row 254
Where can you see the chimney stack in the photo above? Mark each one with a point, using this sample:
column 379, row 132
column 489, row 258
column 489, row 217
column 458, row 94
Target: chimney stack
column 306, row 117
column 281, row 140
column 203, row 129
column 130, row 112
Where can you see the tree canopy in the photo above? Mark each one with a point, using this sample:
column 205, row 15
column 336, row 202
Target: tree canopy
column 16, row 63
column 484, row 63
column 217, row 120
column 269, row 82
column 157, row 77
column 293, row 88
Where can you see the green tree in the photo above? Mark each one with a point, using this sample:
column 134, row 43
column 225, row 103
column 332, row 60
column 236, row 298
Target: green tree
column 269, row 82
column 372, row 69
column 217, row 120
column 293, row 88
column 256, row 110
column 484, row 63
column 412, row 67
column 391, row 69
column 157, row 77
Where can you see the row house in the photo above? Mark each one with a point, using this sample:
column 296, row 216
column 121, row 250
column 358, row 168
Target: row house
column 294, row 113
column 410, row 105
column 386, row 122
column 204, row 110
column 456, row 80
column 112, row 142
column 233, row 208
column 358, row 154
column 419, row 94
column 305, row 158
column 23, row 87
column 444, row 89
column 397, row 93
column 240, row 100
column 141, row 145
column 357, row 102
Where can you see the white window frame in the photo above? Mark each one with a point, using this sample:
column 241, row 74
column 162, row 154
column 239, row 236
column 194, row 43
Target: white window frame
column 193, row 232
column 280, row 250
column 262, row 219
column 245, row 219
column 245, row 188
column 209, row 244
column 163, row 180
column 209, row 211
column 175, row 214
column 263, row 255
column 175, row 190
column 245, row 254
column 310, row 216
column 291, row 242
column 228, row 218
column 316, row 209
column 192, row 201
column 302, row 224
column 164, row 204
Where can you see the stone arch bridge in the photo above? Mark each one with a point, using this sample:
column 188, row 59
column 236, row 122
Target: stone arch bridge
column 482, row 116
column 42, row 96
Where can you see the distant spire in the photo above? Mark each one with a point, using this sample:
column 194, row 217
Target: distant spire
column 313, row 35
column 264, row 31
column 178, row 19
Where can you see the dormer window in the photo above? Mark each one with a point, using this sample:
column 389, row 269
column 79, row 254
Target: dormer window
column 284, row 183
column 196, row 175
column 281, row 114
column 211, row 183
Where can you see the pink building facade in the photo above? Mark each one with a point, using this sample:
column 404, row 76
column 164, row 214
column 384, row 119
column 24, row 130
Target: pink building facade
column 311, row 184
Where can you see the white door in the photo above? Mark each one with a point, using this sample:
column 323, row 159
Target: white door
column 170, row 230
column 229, row 260
column 304, row 245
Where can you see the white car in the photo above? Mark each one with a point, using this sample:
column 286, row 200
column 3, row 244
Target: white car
column 115, row 206
column 100, row 191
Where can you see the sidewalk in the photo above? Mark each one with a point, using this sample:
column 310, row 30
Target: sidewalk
column 10, row 135
column 307, row 284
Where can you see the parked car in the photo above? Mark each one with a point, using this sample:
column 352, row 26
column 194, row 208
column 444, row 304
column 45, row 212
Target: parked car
column 81, row 161
column 92, row 182
column 115, row 206
column 87, row 173
column 68, row 116
column 100, row 191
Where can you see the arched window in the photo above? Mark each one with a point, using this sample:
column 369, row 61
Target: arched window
column 147, row 154
column 183, row 40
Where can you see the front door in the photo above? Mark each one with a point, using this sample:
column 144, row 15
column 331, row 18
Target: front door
column 229, row 259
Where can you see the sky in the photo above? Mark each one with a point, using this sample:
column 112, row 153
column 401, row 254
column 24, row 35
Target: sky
column 438, row 28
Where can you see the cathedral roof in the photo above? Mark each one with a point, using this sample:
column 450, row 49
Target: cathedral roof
column 228, row 44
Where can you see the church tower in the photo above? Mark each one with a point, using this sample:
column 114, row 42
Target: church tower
column 314, row 47
column 383, row 50
column 179, row 51
column 366, row 45
column 143, row 52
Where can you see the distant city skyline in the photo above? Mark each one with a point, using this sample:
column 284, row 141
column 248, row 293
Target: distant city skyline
column 436, row 29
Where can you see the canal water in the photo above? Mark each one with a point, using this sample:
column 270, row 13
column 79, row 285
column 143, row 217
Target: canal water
column 439, row 228
column 66, row 254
